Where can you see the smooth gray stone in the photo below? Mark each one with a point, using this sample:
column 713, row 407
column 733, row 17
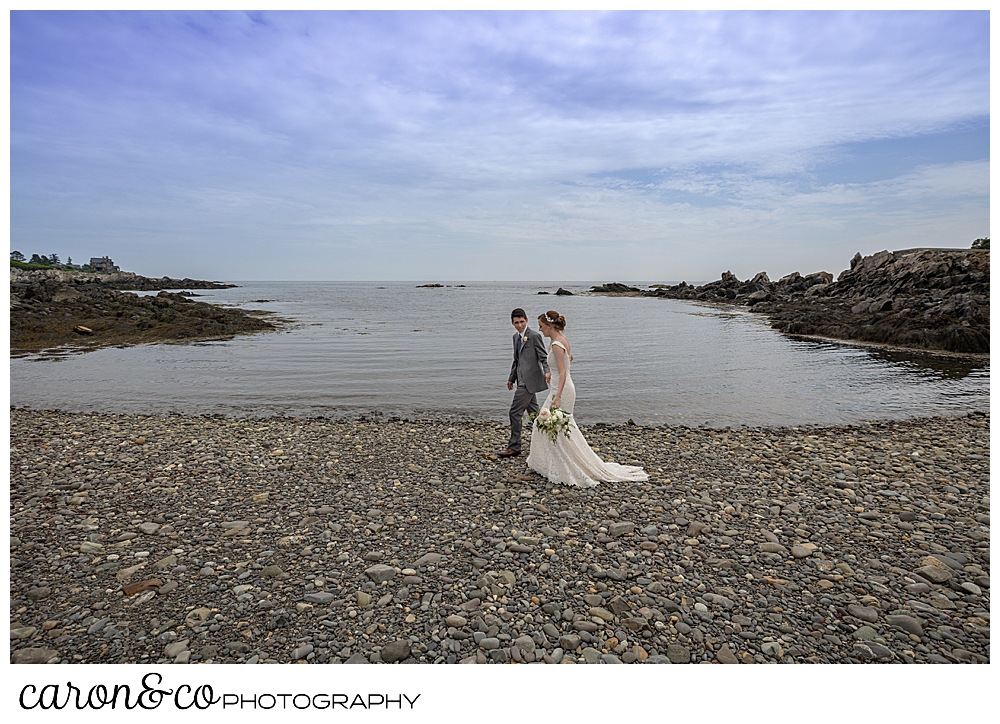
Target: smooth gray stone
column 427, row 558
column 173, row 650
column 94, row 628
column 616, row 530
column 725, row 656
column 678, row 654
column 933, row 574
column 380, row 572
column 320, row 597
column 865, row 633
column 772, row 648
column 906, row 623
column 395, row 651
column 33, row 656
column 865, row 613
column 880, row 651
column 569, row 642
column 525, row 643
column 39, row 593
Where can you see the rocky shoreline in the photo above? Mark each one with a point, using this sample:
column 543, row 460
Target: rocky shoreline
column 932, row 299
column 209, row 539
column 129, row 281
column 83, row 311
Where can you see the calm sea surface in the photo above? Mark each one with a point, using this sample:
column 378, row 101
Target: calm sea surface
column 355, row 348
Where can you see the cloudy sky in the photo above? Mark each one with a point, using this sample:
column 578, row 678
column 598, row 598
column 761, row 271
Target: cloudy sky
column 496, row 146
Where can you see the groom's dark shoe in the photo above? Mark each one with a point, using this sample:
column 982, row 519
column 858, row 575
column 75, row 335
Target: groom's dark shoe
column 508, row 453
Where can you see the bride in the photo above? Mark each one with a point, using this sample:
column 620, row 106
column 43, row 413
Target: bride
column 568, row 460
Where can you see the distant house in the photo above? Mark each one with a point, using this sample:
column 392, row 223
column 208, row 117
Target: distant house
column 103, row 264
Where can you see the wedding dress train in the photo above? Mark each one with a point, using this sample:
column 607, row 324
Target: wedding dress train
column 570, row 460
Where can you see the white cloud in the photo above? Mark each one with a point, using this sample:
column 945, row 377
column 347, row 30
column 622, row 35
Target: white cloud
column 457, row 138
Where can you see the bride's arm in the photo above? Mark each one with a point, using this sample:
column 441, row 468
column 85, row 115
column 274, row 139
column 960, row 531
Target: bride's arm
column 561, row 364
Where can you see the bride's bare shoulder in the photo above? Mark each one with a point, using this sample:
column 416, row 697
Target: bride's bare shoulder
column 564, row 343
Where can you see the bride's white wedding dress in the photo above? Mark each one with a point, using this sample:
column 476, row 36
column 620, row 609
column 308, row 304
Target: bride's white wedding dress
column 571, row 460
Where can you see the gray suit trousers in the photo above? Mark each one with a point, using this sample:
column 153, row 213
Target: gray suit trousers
column 523, row 401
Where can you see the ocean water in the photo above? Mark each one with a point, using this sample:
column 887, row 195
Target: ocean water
column 394, row 349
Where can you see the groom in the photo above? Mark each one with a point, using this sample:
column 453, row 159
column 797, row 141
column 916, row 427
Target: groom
column 530, row 372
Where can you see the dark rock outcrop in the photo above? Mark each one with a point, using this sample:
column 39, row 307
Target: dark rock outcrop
column 116, row 280
column 937, row 299
column 615, row 288
column 86, row 311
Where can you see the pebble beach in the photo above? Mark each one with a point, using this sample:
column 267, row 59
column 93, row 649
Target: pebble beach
column 198, row 539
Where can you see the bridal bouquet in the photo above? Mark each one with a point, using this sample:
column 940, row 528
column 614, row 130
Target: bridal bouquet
column 553, row 421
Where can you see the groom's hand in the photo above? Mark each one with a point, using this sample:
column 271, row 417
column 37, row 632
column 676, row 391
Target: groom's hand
column 548, row 377
column 510, row 386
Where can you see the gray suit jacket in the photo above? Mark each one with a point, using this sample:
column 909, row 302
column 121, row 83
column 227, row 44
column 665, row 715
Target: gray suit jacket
column 529, row 369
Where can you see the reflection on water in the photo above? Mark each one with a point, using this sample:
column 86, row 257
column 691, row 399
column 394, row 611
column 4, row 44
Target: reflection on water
column 954, row 368
column 401, row 350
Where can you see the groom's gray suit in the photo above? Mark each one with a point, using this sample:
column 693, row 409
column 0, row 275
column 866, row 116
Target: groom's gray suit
column 528, row 373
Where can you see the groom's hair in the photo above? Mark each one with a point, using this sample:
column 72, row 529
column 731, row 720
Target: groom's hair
column 518, row 313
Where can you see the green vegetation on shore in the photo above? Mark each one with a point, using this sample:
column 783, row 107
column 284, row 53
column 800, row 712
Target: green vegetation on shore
column 19, row 261
column 24, row 265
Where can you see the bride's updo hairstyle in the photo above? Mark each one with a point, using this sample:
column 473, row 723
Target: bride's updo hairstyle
column 553, row 319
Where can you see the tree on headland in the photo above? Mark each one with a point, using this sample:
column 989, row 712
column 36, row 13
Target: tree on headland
column 36, row 261
column 17, row 256
column 983, row 243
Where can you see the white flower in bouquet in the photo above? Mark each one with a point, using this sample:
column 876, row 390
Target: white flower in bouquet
column 553, row 422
